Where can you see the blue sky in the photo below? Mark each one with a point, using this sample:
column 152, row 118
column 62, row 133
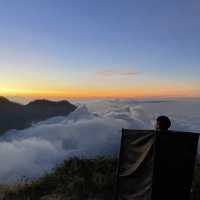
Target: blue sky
column 52, row 46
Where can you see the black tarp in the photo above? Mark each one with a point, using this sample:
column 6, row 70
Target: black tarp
column 175, row 154
column 156, row 165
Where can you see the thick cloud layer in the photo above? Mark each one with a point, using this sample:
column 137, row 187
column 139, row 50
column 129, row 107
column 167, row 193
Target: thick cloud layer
column 32, row 152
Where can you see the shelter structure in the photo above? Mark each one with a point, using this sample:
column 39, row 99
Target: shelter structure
column 156, row 165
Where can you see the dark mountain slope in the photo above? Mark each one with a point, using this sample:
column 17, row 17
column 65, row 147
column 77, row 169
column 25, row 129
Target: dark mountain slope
column 17, row 116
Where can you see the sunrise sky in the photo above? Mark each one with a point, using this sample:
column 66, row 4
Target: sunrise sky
column 99, row 48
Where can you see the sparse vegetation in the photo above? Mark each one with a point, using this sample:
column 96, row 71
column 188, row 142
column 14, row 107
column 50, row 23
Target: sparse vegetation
column 76, row 179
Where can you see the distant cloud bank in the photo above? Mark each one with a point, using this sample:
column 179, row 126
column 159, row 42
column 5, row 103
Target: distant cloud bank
column 85, row 132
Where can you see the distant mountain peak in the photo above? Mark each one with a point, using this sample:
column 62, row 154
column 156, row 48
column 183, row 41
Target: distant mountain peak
column 4, row 100
column 45, row 102
column 39, row 102
column 17, row 116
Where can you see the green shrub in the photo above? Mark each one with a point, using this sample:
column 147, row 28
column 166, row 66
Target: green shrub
column 75, row 179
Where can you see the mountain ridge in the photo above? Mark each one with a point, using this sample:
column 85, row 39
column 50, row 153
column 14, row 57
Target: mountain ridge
column 17, row 116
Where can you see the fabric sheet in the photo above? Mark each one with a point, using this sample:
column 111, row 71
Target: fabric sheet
column 156, row 165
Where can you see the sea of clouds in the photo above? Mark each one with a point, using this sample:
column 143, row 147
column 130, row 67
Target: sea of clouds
column 93, row 129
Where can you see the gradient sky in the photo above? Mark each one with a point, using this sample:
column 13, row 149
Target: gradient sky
column 99, row 48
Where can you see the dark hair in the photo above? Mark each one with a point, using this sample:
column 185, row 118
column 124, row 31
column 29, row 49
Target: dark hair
column 164, row 122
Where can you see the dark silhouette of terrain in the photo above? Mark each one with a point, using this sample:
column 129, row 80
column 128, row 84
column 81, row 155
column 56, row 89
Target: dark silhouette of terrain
column 16, row 116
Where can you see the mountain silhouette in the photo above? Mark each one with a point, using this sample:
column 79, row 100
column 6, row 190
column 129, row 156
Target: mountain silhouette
column 16, row 116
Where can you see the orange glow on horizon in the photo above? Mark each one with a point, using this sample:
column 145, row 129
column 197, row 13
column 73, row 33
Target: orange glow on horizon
column 137, row 92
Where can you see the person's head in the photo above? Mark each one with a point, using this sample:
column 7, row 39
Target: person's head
column 163, row 123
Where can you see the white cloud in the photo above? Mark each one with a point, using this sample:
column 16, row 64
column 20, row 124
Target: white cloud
column 35, row 150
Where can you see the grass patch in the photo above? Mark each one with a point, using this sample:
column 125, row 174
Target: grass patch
column 75, row 179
